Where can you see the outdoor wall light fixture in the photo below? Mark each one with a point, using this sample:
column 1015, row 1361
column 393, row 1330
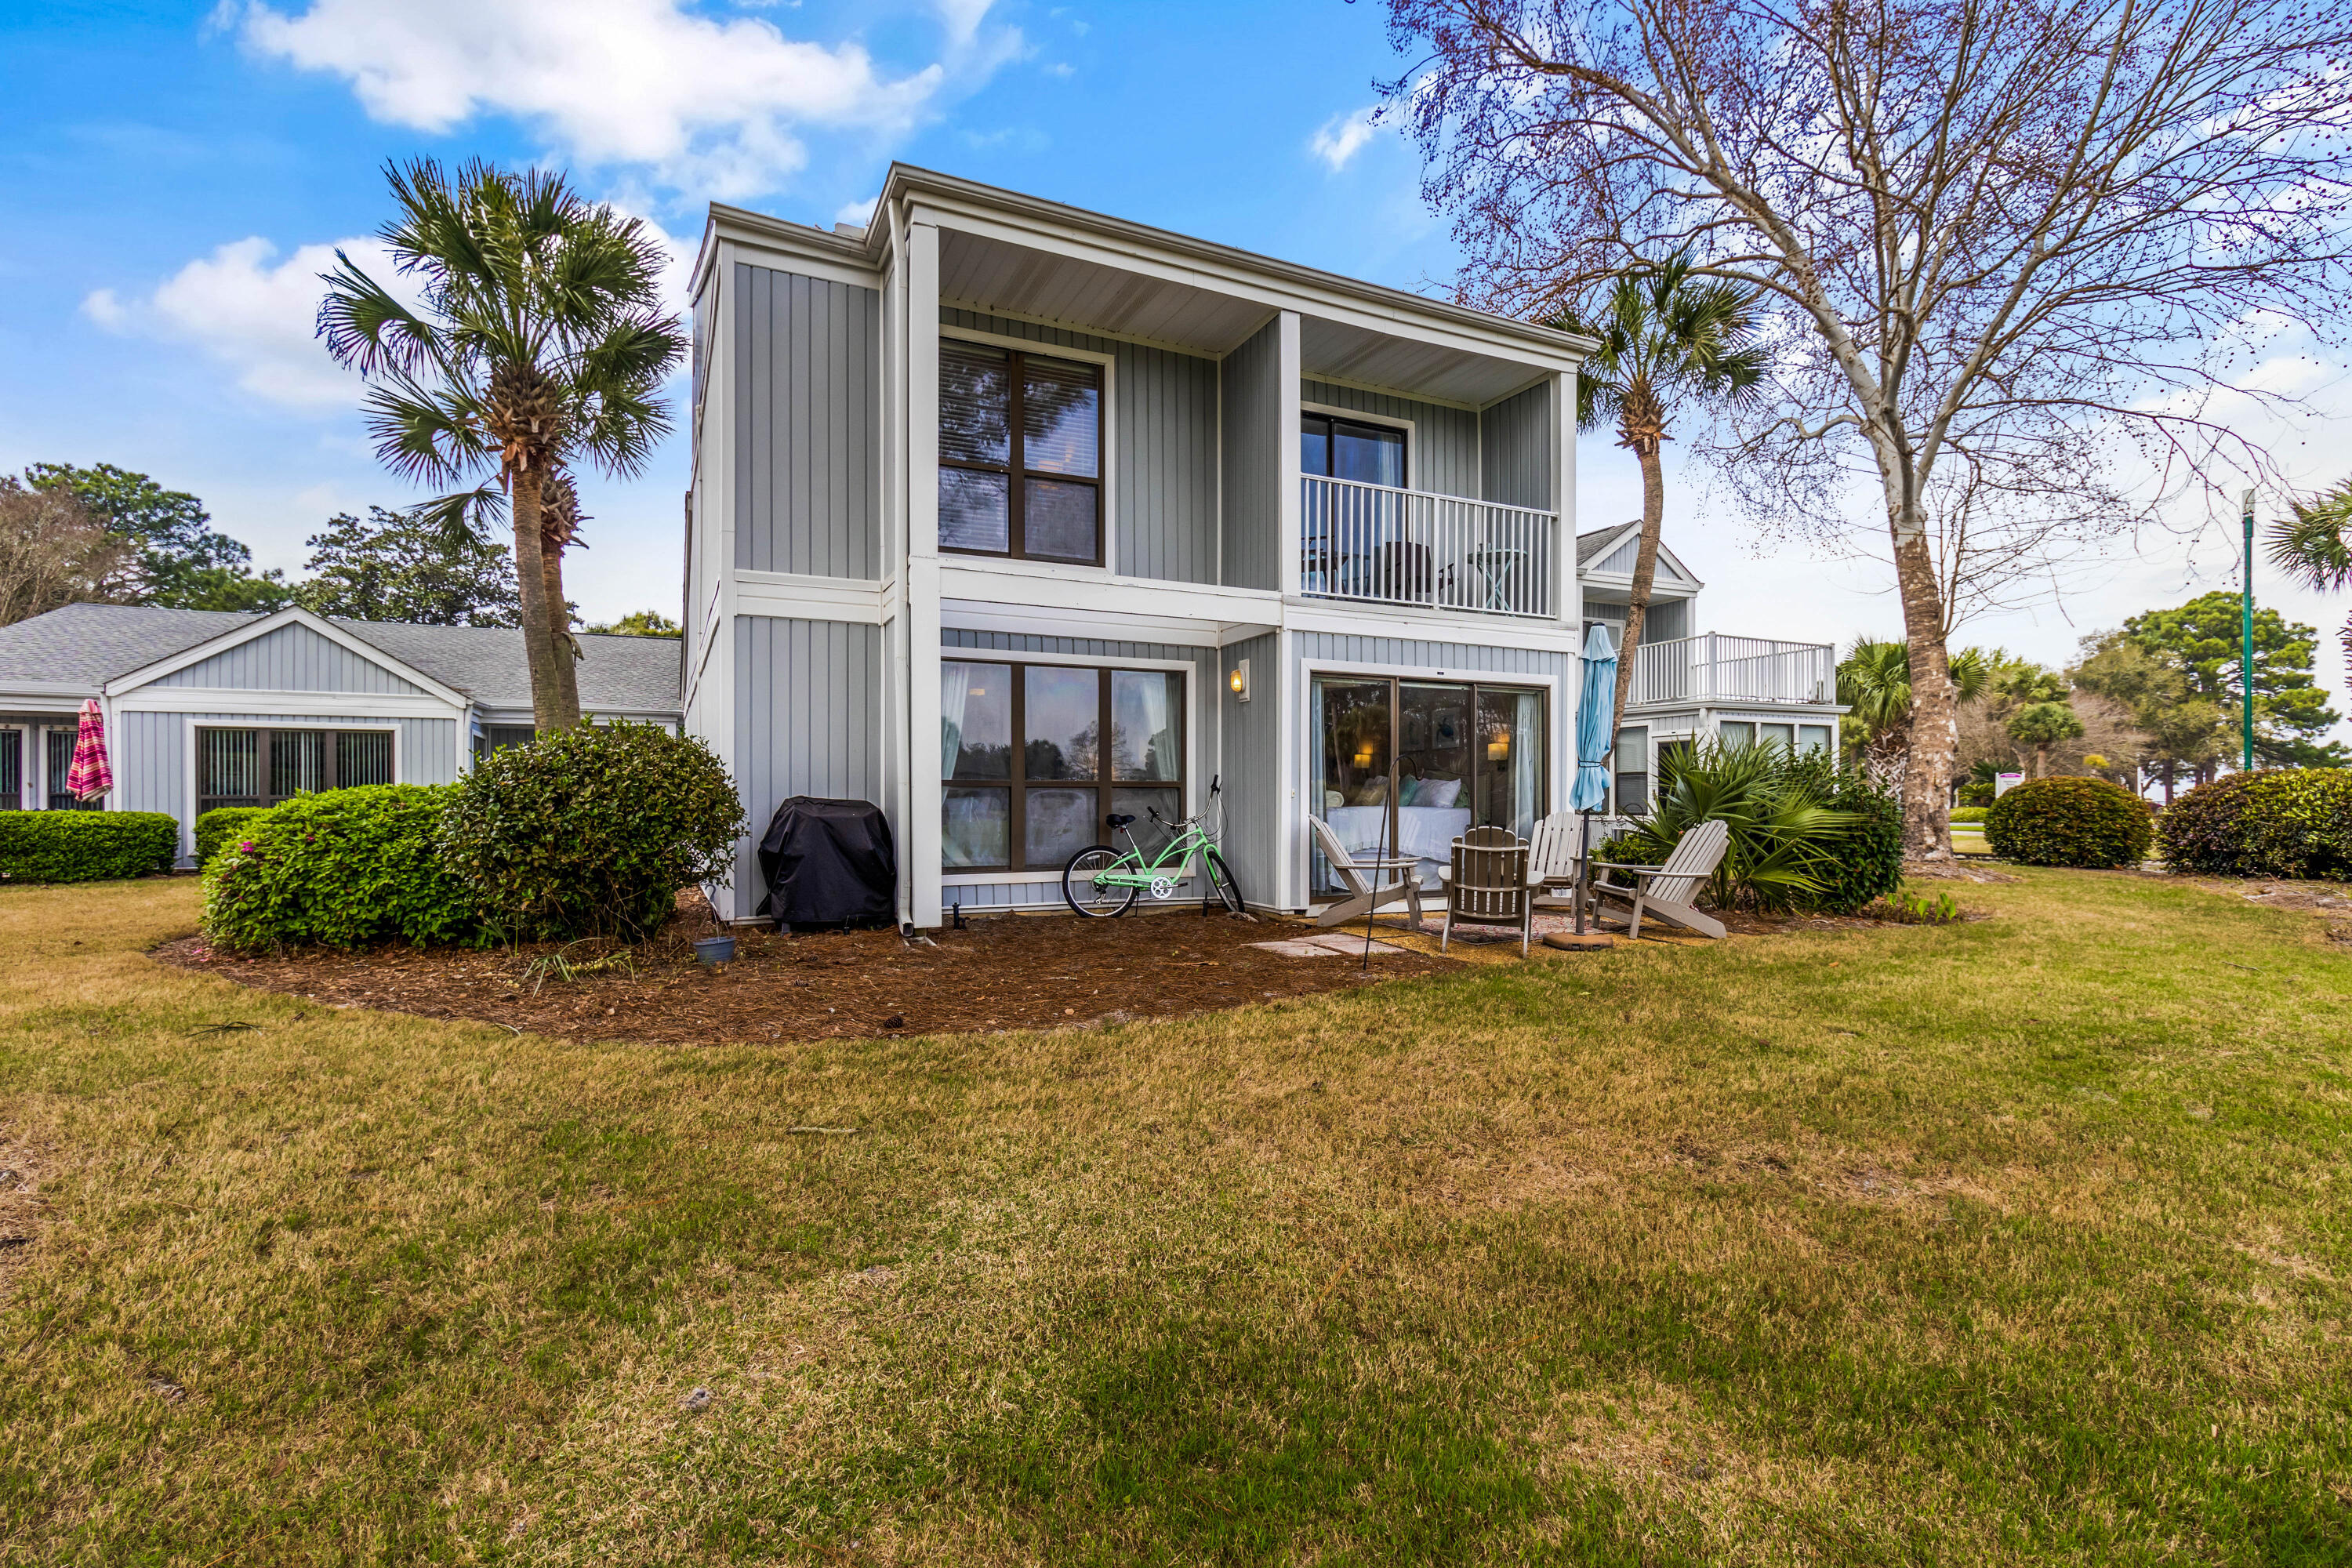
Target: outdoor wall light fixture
column 1239, row 679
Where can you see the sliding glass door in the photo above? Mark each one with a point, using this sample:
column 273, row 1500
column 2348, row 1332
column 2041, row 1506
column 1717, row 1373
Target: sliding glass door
column 1407, row 766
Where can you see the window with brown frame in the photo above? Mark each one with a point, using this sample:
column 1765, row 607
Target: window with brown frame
column 1021, row 455
column 1027, row 781
column 266, row 766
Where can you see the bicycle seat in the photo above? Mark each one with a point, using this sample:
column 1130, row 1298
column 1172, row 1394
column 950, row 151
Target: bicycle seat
column 1118, row 819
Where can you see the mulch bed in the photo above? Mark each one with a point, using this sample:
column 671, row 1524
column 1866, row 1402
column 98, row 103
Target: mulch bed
column 1006, row 972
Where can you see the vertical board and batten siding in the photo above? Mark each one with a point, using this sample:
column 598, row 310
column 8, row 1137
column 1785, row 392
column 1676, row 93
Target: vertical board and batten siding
column 291, row 658
column 1252, row 754
column 1515, row 441
column 1202, row 759
column 1251, row 521
column 151, row 757
column 1442, row 457
column 808, row 721
column 1163, row 448
column 808, row 425
column 1330, row 649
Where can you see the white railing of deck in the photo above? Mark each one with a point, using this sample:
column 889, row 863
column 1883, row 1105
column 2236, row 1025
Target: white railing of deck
column 1713, row 668
column 1408, row 547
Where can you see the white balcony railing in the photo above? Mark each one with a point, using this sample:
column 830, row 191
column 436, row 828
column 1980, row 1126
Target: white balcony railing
column 1713, row 668
column 1406, row 547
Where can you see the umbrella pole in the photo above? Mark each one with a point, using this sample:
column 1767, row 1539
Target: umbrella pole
column 1583, row 869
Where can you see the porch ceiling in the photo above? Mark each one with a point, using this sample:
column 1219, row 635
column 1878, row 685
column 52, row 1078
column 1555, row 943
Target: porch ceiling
column 980, row 272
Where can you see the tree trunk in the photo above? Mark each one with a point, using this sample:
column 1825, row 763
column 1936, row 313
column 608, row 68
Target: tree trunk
column 530, row 584
column 1935, row 738
column 1645, row 569
column 2169, row 770
column 564, row 655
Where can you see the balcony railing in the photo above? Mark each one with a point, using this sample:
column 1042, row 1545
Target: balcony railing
column 1405, row 547
column 1717, row 668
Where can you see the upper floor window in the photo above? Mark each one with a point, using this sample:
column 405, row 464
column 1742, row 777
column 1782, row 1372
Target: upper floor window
column 1021, row 455
column 1351, row 449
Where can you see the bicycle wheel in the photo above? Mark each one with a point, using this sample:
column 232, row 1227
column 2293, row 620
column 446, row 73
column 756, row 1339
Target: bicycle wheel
column 1096, row 900
column 1220, row 881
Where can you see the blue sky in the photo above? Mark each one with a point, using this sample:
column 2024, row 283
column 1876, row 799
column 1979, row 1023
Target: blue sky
column 172, row 175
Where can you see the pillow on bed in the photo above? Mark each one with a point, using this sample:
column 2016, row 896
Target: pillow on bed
column 1372, row 792
column 1409, row 791
column 1437, row 791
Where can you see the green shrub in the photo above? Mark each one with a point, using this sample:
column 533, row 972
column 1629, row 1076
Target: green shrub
column 1974, row 794
column 1786, row 840
column 1865, row 859
column 591, row 831
column 347, row 868
column 86, row 846
column 2277, row 822
column 221, row 825
column 1969, row 813
column 2070, row 822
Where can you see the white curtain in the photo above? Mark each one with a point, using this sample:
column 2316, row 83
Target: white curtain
column 1528, row 745
column 1148, row 694
column 955, row 690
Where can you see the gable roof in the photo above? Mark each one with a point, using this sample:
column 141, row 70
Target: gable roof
column 1596, row 545
column 90, row 645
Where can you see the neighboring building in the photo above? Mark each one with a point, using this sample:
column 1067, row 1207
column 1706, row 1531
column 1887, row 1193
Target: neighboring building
column 992, row 479
column 1690, row 686
column 209, row 708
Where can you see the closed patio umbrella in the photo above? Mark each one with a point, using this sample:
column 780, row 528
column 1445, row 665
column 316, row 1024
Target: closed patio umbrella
column 1596, row 701
column 91, row 775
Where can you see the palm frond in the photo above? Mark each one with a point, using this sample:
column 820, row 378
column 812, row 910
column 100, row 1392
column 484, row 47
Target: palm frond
column 2314, row 544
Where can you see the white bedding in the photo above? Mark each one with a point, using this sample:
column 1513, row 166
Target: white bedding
column 1425, row 832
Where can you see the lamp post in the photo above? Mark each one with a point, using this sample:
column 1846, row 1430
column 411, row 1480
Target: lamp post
column 2246, row 642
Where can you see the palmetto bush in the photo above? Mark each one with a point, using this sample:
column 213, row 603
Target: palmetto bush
column 1786, row 839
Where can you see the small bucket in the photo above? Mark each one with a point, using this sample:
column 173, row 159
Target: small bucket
column 713, row 950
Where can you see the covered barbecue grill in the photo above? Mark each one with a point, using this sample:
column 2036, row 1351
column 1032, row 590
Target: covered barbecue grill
column 829, row 863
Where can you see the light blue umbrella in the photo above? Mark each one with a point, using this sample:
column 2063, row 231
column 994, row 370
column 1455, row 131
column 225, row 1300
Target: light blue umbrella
column 1594, row 703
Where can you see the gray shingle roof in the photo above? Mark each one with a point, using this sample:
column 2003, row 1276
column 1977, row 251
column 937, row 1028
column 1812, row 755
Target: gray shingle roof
column 88, row 645
column 1589, row 543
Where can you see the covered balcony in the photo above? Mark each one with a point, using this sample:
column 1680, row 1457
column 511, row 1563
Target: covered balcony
column 1392, row 546
column 1714, row 669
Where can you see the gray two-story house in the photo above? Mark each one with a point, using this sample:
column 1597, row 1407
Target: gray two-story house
column 1010, row 517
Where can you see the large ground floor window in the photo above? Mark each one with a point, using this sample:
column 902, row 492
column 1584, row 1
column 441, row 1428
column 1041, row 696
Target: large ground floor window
column 1405, row 766
column 59, row 745
column 1028, row 778
column 264, row 766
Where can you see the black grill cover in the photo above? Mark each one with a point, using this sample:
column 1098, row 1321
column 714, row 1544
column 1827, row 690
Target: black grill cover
column 829, row 862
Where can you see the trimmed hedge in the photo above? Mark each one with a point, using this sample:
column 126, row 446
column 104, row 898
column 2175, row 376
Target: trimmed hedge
column 1866, row 864
column 341, row 869
column 2070, row 822
column 2276, row 822
column 221, row 825
column 1969, row 813
column 86, row 846
column 591, row 831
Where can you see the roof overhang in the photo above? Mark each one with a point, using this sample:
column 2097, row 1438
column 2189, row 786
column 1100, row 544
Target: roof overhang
column 148, row 674
column 1676, row 581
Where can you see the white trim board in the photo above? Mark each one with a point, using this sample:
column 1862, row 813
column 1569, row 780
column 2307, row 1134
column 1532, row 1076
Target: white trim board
column 293, row 706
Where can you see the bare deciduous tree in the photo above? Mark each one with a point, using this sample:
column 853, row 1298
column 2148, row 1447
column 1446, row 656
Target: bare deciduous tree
column 1999, row 236
column 53, row 551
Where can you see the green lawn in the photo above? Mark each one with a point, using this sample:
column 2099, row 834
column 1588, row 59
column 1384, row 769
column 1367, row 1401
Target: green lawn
column 2022, row 1241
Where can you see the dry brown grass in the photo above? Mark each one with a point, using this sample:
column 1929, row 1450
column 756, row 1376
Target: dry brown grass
column 1890, row 1245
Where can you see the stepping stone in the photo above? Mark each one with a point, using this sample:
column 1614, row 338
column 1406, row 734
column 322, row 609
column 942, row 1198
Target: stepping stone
column 1569, row 942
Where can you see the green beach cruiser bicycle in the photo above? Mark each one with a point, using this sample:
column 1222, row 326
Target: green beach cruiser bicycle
column 1100, row 882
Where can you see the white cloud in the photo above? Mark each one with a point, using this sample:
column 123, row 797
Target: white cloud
column 860, row 213
column 255, row 314
column 714, row 106
column 1343, row 136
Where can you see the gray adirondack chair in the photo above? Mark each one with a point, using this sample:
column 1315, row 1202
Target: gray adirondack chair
column 1487, row 884
column 1671, row 891
column 1371, row 882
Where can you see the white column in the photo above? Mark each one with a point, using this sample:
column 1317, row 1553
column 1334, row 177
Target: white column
column 1285, row 456
column 1566, row 598
column 924, row 797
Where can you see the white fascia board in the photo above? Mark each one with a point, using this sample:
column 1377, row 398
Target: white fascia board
column 1623, row 583
column 1019, row 620
column 791, row 595
column 1245, row 282
column 290, row 705
column 1350, row 618
column 1030, row 584
column 1023, row 219
column 238, row 637
column 803, row 245
column 43, row 692
column 745, row 251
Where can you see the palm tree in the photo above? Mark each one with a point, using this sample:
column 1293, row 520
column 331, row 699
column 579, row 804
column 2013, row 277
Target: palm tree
column 1874, row 681
column 2315, row 544
column 1664, row 335
column 539, row 341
